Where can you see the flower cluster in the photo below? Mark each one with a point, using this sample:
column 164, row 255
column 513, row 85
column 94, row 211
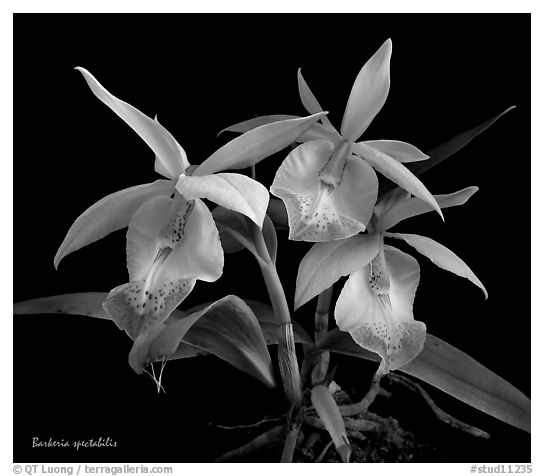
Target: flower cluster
column 329, row 186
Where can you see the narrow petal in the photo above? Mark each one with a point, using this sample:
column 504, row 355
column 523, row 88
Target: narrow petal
column 257, row 144
column 170, row 244
column 440, row 255
column 368, row 94
column 160, row 167
column 407, row 207
column 310, row 102
column 317, row 131
column 154, row 135
column 400, row 151
column 109, row 214
column 233, row 191
column 255, row 122
column 314, row 213
column 381, row 325
column 396, row 172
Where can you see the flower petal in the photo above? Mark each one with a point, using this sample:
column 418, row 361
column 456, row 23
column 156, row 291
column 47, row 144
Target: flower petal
column 255, row 122
column 408, row 207
column 310, row 102
column 440, row 255
column 317, row 131
column 161, row 169
column 396, row 172
column 257, row 144
column 327, row 262
column 154, row 135
column 368, row 94
column 109, row 214
column 388, row 330
column 314, row 213
column 170, row 244
column 233, row 191
column 400, row 151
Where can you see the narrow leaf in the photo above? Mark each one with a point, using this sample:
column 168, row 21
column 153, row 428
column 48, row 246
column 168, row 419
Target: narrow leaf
column 257, row 144
column 84, row 304
column 454, row 372
column 327, row 262
column 228, row 328
column 329, row 413
column 90, row 304
column 447, row 149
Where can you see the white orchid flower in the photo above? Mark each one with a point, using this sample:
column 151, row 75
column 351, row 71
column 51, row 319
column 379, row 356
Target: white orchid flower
column 375, row 305
column 328, row 183
column 172, row 239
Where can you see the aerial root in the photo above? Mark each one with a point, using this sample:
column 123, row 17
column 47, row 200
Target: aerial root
column 438, row 412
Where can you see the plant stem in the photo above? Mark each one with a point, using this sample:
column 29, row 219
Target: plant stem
column 319, row 372
column 287, row 357
column 293, row 430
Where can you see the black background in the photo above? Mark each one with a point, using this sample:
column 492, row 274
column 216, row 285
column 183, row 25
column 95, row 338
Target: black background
column 200, row 73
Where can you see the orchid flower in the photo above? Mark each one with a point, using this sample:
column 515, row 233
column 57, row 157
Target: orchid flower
column 328, row 183
column 172, row 240
column 375, row 305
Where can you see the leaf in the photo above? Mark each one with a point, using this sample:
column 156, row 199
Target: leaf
column 236, row 233
column 267, row 320
column 233, row 191
column 329, row 413
column 454, row 372
column 448, row 148
column 84, row 304
column 440, row 255
column 257, row 144
column 109, row 214
column 327, row 262
column 90, row 304
column 228, row 329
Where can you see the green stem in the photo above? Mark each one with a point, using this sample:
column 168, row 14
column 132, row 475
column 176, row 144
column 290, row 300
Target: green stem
column 287, row 357
column 319, row 372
